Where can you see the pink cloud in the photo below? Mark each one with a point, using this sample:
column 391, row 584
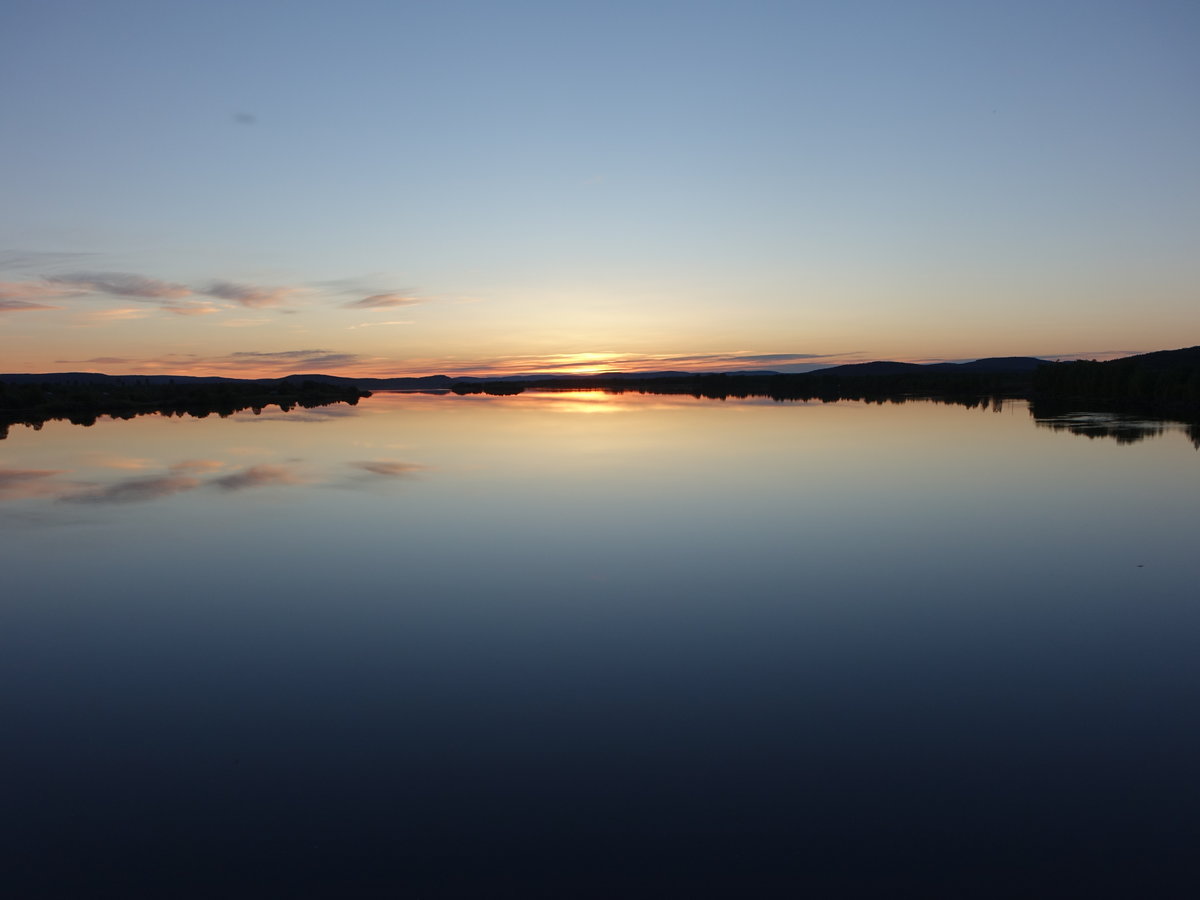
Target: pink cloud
column 383, row 301
column 21, row 292
column 191, row 309
column 21, row 306
column 254, row 296
column 117, row 315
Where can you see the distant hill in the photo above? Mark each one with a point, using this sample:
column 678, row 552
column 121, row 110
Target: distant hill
column 999, row 365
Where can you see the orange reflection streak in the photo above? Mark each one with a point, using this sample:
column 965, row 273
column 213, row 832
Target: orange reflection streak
column 588, row 402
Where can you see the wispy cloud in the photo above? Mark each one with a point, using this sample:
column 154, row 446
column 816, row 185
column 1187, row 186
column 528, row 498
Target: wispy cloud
column 289, row 360
column 121, row 284
column 120, row 314
column 250, row 295
column 39, row 260
column 383, row 301
column 592, row 362
column 170, row 296
column 27, row 291
column 191, row 308
column 242, row 363
column 379, row 324
column 178, row 298
column 22, row 306
column 104, row 360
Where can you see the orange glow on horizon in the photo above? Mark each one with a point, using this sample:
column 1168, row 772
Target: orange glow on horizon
column 348, row 365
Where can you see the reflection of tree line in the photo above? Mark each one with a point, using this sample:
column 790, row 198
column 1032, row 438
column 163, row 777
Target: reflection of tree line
column 1121, row 422
column 82, row 403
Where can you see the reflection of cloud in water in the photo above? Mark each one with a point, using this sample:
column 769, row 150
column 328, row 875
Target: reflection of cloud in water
column 388, row 468
column 16, row 484
column 119, row 462
column 138, row 490
column 316, row 414
column 135, row 490
column 197, row 465
column 16, row 519
column 257, row 476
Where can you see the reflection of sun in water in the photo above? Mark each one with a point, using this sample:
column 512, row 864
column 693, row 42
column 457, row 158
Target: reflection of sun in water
column 580, row 401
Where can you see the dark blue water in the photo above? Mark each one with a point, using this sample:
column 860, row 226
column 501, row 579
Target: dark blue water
column 448, row 647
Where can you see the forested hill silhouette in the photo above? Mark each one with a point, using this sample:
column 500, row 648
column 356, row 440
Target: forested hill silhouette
column 1165, row 379
column 1000, row 365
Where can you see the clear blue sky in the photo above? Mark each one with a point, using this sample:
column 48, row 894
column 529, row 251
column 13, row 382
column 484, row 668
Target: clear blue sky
column 458, row 186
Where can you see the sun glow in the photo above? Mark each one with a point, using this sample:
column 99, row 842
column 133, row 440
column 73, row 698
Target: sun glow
column 582, row 363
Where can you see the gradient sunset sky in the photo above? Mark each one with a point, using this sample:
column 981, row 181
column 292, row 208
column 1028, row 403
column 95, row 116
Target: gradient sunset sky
column 387, row 188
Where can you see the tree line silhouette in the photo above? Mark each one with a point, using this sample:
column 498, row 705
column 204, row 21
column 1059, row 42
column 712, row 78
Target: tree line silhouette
column 82, row 402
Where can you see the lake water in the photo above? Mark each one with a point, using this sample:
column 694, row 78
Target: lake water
column 576, row 644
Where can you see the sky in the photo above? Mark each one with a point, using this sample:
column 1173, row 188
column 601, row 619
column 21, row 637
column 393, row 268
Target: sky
column 392, row 188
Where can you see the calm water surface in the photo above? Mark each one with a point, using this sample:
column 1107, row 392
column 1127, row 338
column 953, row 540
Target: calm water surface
column 575, row 644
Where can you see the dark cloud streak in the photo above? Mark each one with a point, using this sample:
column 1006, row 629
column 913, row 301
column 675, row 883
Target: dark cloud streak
column 22, row 306
column 290, row 359
column 249, row 295
column 122, row 284
column 382, row 301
